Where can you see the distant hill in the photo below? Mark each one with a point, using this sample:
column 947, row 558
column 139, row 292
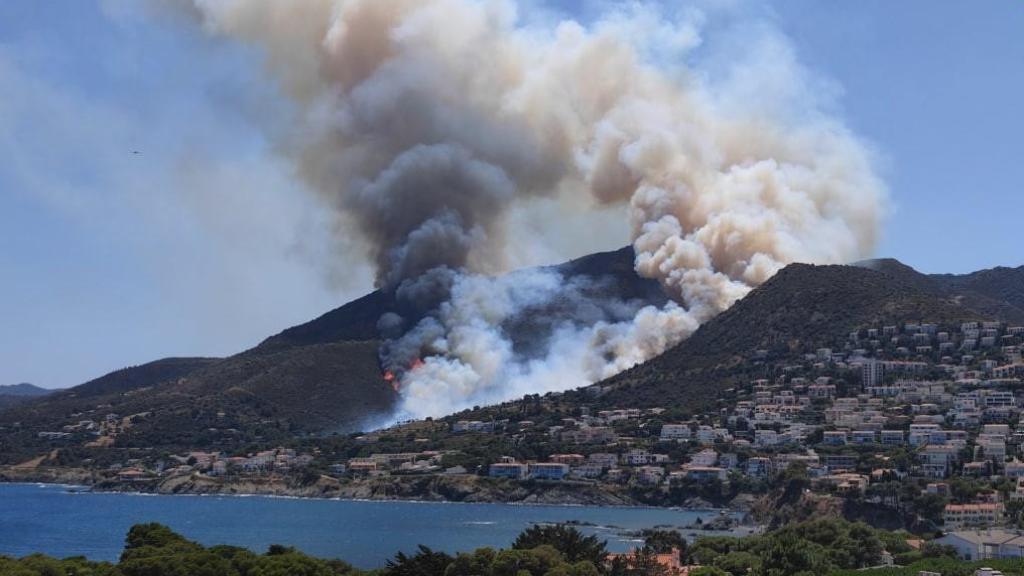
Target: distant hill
column 12, row 394
column 137, row 377
column 24, row 389
column 997, row 292
column 1000, row 290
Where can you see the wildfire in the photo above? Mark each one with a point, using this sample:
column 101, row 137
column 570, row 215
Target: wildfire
column 391, row 378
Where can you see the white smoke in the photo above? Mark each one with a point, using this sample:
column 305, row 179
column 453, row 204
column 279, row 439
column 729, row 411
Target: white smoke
column 469, row 349
column 426, row 123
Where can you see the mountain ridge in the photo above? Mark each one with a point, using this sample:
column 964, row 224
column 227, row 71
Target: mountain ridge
column 319, row 377
column 23, row 389
column 325, row 375
column 802, row 306
column 11, row 394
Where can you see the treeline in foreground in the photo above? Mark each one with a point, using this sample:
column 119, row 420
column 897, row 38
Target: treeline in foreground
column 813, row 548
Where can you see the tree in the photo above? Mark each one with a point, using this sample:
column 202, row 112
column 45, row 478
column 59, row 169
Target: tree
column 535, row 562
column 425, row 562
column 706, row 550
column 963, row 490
column 570, row 542
column 738, row 563
column 794, row 480
column 476, row 564
column 788, row 555
column 584, row 568
column 664, row 541
column 156, row 536
column 148, row 540
column 642, row 562
column 709, row 571
column 867, row 548
column 930, row 507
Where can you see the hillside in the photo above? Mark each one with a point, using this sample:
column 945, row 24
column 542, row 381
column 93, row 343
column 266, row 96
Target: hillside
column 324, row 376
column 612, row 272
column 802, row 307
column 319, row 377
column 999, row 290
column 259, row 395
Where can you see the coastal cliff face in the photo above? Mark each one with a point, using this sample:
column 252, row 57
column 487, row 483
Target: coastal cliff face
column 429, row 488
column 70, row 476
column 433, row 488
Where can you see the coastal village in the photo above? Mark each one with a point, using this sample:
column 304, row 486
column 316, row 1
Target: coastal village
column 919, row 417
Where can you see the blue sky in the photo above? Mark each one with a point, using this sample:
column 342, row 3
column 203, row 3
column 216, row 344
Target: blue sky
column 201, row 245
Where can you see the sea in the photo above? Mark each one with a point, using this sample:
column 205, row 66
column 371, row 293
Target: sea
column 65, row 521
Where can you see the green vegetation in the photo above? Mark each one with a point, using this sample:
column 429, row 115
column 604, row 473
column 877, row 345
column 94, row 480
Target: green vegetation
column 574, row 546
column 805, row 549
column 664, row 541
column 154, row 550
column 815, row 548
column 945, row 566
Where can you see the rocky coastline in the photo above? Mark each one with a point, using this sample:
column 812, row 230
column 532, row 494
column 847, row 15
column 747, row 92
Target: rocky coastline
column 424, row 488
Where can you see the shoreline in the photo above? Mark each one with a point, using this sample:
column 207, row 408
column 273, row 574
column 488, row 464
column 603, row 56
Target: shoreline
column 738, row 528
column 85, row 489
column 476, row 490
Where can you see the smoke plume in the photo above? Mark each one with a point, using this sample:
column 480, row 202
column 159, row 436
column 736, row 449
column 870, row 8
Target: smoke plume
column 425, row 123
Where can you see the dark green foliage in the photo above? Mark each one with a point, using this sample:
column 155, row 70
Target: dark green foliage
column 154, row 550
column 806, row 548
column 39, row 565
column 479, row 562
column 571, row 543
column 709, row 571
column 815, row 548
column 425, row 562
column 536, row 562
column 790, row 556
column 663, row 541
column 143, row 538
column 738, row 563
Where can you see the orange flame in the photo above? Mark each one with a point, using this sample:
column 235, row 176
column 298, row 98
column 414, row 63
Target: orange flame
column 394, row 380
column 389, row 377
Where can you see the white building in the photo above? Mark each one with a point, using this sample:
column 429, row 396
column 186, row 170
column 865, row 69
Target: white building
column 676, row 432
column 984, row 544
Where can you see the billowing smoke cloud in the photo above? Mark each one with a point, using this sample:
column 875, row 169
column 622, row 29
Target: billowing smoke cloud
column 426, row 122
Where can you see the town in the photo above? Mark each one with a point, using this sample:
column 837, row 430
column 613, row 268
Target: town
column 918, row 422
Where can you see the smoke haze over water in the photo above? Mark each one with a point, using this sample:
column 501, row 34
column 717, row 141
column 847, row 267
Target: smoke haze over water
column 436, row 128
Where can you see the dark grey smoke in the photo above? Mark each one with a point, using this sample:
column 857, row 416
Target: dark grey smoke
column 429, row 124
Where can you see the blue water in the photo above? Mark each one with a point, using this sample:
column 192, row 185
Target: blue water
column 62, row 521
